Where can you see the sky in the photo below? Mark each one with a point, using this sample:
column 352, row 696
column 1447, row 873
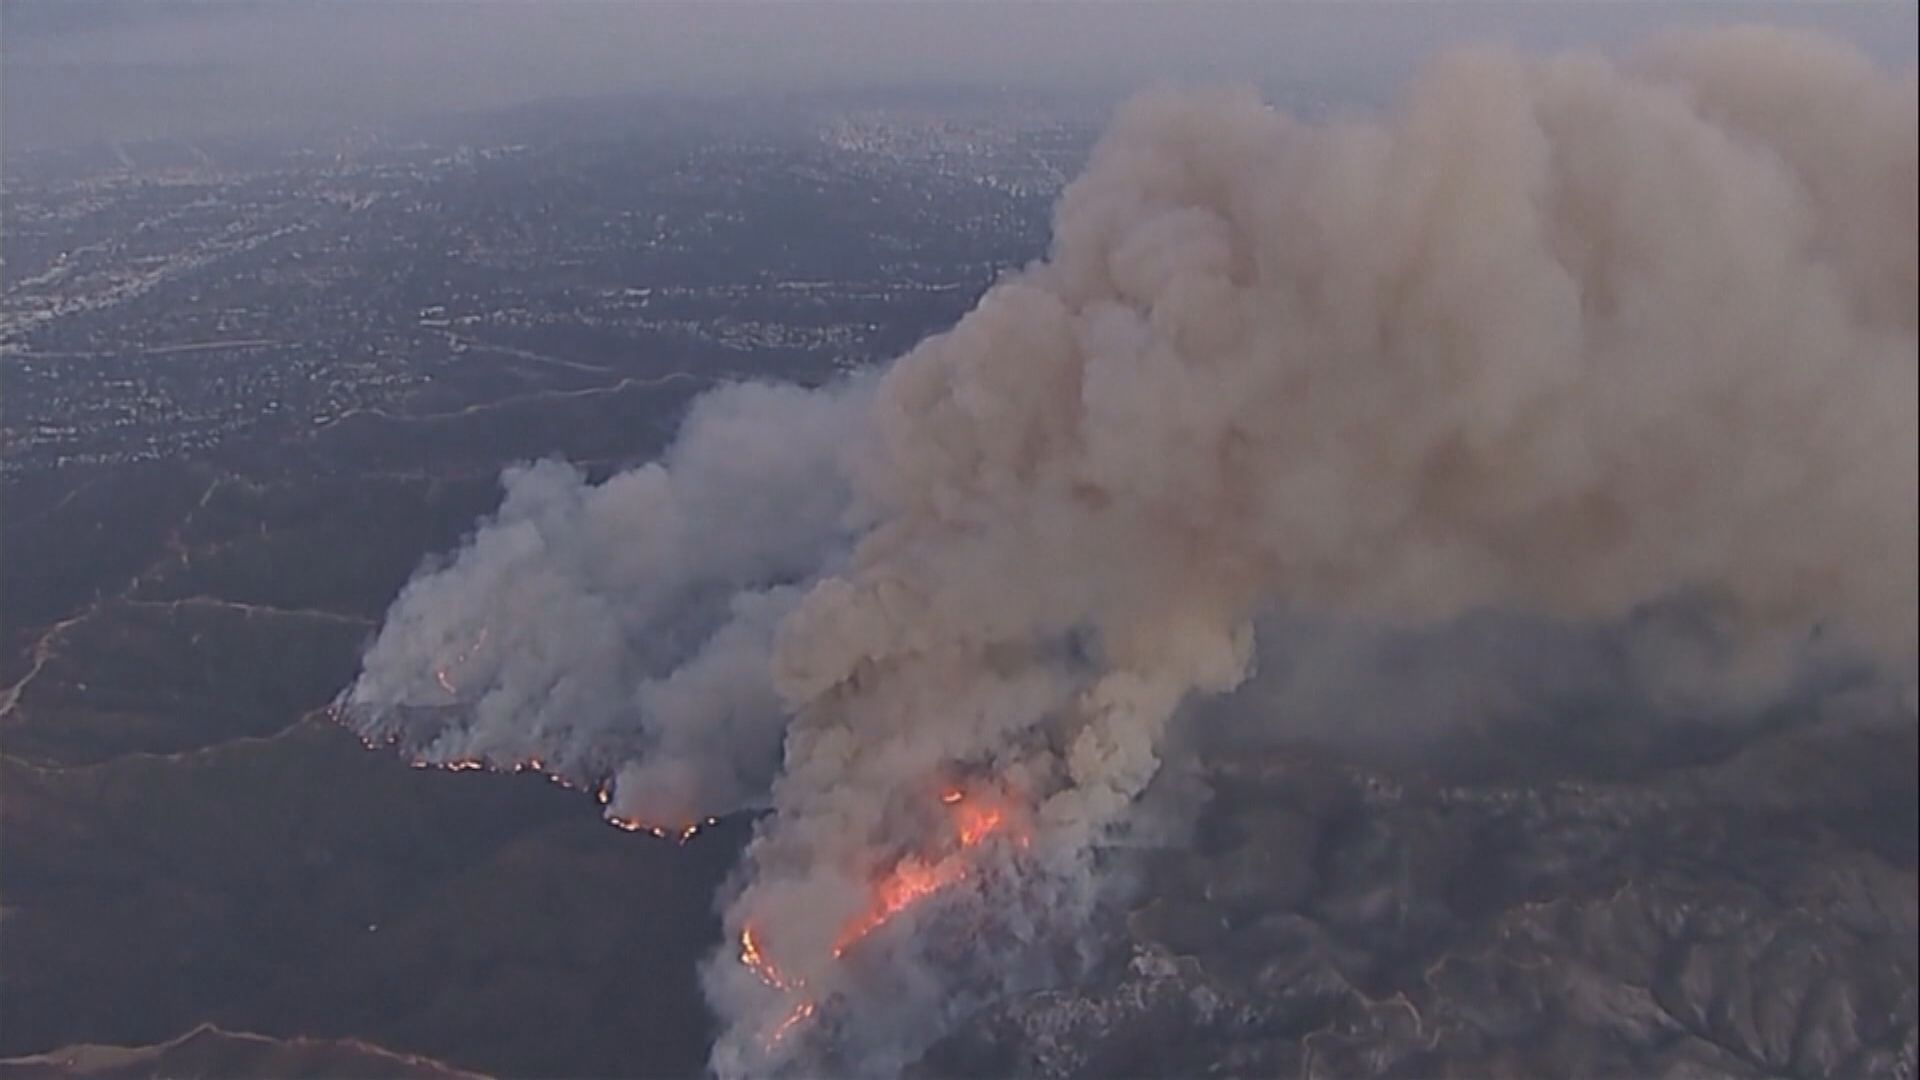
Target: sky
column 75, row 72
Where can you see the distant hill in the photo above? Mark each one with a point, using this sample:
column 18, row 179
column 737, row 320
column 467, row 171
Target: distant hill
column 208, row 1052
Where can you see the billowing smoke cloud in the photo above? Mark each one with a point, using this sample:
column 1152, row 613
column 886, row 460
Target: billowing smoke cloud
column 1561, row 338
column 625, row 628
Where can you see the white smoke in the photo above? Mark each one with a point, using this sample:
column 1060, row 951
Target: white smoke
column 1560, row 337
column 623, row 630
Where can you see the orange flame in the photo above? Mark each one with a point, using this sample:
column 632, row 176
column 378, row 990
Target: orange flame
column 975, row 824
column 913, row 879
column 910, row 882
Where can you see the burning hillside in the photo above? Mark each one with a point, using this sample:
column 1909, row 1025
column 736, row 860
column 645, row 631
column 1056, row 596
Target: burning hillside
column 1563, row 338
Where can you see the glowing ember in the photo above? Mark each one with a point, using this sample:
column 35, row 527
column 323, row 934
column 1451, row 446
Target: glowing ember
column 602, row 791
column 679, row 833
column 444, row 676
column 757, row 961
column 800, row 1012
column 952, row 796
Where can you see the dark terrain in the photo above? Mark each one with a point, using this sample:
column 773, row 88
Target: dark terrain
column 1753, row 916
column 201, row 530
column 188, row 837
column 199, row 536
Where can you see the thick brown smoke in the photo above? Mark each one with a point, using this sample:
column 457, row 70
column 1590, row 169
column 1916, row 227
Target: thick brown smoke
column 1558, row 337
column 1555, row 336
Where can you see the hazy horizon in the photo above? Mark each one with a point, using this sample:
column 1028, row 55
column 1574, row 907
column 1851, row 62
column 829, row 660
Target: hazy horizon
column 74, row 74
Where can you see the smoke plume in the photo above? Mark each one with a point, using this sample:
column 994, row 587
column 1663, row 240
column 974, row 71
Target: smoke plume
column 625, row 628
column 1558, row 337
